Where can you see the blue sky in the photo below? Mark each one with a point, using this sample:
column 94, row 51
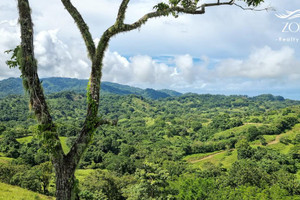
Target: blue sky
column 225, row 51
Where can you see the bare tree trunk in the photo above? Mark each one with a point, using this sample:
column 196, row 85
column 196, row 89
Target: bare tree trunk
column 65, row 182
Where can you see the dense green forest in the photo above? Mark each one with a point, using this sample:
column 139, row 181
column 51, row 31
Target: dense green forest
column 175, row 146
column 51, row 85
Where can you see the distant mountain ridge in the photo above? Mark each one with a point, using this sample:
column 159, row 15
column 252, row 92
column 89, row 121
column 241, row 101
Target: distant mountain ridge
column 13, row 86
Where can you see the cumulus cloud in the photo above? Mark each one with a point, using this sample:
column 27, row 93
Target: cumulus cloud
column 139, row 70
column 264, row 63
column 10, row 32
column 264, row 68
column 145, row 71
column 57, row 59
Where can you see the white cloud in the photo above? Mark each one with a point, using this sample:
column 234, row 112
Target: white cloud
column 116, row 68
column 264, row 63
column 139, row 70
column 11, row 35
column 264, row 69
column 144, row 71
column 57, row 59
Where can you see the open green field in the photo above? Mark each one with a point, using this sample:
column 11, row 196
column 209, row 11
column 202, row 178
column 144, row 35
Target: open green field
column 234, row 131
column 223, row 158
column 10, row 192
column 4, row 159
column 268, row 138
column 195, row 157
column 291, row 133
column 282, row 148
column 27, row 139
column 82, row 173
column 63, row 141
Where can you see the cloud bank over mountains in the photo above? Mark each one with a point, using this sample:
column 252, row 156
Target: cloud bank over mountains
column 197, row 54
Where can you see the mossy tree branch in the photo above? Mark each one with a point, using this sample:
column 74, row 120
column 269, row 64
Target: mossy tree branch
column 93, row 89
column 174, row 10
column 93, row 96
column 122, row 12
column 31, row 82
column 83, row 27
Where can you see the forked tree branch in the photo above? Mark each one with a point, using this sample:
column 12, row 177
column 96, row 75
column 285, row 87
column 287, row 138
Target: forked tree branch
column 122, row 12
column 93, row 96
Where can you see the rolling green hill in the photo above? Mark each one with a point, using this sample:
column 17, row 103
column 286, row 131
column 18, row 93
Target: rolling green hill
column 9, row 192
column 14, row 86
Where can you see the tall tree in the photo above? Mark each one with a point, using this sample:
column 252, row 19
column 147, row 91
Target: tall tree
column 65, row 164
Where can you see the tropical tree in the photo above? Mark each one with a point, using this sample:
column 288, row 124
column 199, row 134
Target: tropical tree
column 23, row 56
